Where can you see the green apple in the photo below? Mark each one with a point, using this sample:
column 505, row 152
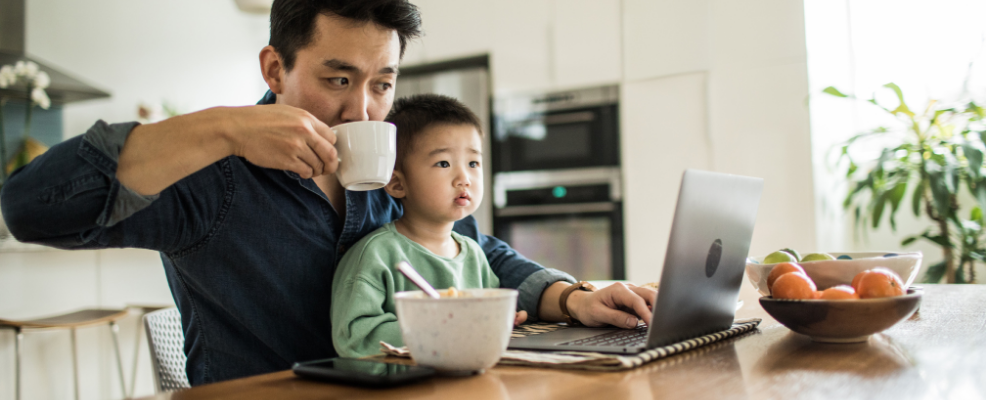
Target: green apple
column 779, row 257
column 792, row 252
column 817, row 257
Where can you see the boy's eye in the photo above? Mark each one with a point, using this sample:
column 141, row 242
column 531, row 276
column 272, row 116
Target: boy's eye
column 474, row 164
column 443, row 164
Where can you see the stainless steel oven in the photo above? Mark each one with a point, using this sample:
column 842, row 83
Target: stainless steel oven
column 571, row 220
column 557, row 197
column 560, row 130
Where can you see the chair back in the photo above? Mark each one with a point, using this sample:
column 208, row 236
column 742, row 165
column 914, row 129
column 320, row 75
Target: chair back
column 167, row 344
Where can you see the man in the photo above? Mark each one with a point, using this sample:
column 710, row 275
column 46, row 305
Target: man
column 243, row 205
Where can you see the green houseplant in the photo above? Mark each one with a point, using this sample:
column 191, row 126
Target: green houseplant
column 932, row 163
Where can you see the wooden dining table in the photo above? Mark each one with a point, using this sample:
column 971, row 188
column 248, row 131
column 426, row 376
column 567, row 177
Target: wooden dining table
column 938, row 353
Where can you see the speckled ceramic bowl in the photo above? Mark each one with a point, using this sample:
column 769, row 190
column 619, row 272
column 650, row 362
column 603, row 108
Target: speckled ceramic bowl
column 457, row 335
column 840, row 272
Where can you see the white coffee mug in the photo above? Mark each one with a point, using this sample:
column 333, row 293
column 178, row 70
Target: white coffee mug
column 367, row 151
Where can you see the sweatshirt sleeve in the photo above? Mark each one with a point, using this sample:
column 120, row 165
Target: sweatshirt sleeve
column 359, row 321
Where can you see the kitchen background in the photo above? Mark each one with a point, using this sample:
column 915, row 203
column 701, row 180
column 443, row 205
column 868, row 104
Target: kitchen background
column 720, row 85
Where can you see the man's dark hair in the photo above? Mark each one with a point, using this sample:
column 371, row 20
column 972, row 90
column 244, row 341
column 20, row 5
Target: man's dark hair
column 292, row 22
column 413, row 114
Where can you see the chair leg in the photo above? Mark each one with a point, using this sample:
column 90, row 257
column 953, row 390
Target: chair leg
column 119, row 360
column 133, row 371
column 18, row 338
column 75, row 365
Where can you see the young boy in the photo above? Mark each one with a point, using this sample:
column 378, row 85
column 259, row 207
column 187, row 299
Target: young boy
column 438, row 178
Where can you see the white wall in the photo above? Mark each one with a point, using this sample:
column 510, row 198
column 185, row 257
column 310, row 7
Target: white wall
column 193, row 54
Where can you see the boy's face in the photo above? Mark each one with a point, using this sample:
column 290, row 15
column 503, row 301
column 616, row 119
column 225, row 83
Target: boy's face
column 441, row 179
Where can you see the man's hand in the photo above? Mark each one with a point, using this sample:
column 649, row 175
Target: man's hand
column 619, row 304
column 283, row 137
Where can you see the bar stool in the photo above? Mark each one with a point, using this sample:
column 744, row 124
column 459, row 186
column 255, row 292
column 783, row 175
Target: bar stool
column 70, row 321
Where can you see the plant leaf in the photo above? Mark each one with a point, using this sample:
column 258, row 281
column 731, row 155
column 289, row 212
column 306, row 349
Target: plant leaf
column 908, row 240
column 894, row 196
column 975, row 158
column 917, row 197
column 976, row 214
column 833, row 91
column 934, row 273
column 902, row 108
column 940, row 196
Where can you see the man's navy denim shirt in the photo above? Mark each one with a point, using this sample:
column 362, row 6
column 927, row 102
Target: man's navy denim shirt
column 249, row 252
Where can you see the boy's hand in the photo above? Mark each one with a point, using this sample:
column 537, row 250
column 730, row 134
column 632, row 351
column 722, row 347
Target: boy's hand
column 520, row 317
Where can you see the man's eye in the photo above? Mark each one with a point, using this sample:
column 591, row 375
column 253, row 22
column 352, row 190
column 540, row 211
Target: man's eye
column 443, row 164
column 339, row 81
column 474, row 164
column 385, row 86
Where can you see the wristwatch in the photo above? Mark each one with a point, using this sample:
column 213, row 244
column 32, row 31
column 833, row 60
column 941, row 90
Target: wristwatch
column 563, row 300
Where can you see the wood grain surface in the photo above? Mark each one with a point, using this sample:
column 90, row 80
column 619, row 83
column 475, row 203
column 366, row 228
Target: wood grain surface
column 939, row 353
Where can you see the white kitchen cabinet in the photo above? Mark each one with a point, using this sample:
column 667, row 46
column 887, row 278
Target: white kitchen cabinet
column 454, row 29
column 521, row 54
column 665, row 37
column 663, row 126
column 586, row 42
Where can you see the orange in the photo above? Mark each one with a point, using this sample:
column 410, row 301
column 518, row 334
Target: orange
column 795, row 286
column 841, row 292
column 781, row 269
column 878, row 282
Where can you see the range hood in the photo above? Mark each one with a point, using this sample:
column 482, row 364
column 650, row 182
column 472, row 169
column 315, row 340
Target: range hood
column 64, row 88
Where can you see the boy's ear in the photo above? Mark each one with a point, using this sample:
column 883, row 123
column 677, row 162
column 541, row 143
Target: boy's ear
column 395, row 187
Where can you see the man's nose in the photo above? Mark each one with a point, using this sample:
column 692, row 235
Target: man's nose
column 356, row 105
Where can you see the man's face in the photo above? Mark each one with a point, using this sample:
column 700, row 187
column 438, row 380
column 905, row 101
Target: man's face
column 347, row 73
column 443, row 175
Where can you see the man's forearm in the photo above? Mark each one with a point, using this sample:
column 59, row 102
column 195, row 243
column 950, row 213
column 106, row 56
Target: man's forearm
column 155, row 156
column 549, row 309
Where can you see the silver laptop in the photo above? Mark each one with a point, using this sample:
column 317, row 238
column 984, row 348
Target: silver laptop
column 703, row 270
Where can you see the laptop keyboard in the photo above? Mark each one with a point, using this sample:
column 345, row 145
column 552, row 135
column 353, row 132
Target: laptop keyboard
column 629, row 337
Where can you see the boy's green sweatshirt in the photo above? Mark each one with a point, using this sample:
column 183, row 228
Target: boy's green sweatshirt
column 363, row 308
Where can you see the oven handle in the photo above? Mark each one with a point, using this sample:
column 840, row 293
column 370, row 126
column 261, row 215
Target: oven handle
column 547, row 209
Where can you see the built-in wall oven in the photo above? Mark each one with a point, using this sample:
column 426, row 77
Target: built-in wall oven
column 557, row 192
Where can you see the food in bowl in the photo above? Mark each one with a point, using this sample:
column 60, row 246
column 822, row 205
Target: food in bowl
column 829, row 273
column 461, row 334
column 788, row 281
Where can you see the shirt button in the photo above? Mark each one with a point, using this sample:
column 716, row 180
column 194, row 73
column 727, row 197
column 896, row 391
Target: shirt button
column 342, row 249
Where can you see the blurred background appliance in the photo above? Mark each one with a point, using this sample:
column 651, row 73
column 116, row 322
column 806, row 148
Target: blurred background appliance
column 468, row 80
column 557, row 191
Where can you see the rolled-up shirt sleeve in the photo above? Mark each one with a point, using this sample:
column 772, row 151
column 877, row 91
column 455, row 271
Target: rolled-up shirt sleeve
column 69, row 198
column 101, row 147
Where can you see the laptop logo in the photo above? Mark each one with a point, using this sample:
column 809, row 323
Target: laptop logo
column 712, row 261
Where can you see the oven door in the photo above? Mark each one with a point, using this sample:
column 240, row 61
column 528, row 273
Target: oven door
column 583, row 239
column 572, row 138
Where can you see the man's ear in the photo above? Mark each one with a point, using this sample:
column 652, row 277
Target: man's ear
column 272, row 68
column 395, row 187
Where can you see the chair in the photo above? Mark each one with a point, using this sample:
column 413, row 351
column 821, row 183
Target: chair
column 167, row 344
column 70, row 321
